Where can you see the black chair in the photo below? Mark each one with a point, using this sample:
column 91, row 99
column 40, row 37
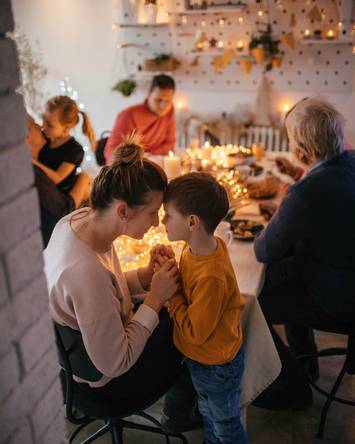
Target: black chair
column 100, row 146
column 74, row 358
column 348, row 367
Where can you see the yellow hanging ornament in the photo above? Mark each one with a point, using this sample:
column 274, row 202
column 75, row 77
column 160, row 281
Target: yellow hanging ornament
column 228, row 56
column 314, row 14
column 218, row 64
column 259, row 54
column 246, row 65
column 288, row 39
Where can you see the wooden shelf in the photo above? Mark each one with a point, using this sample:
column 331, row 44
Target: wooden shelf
column 231, row 10
column 218, row 52
column 141, row 25
column 325, row 42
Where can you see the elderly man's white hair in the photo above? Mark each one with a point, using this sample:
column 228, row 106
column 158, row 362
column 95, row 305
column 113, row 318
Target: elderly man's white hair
column 316, row 127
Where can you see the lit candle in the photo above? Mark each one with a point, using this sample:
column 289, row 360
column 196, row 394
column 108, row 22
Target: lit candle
column 307, row 34
column 285, row 110
column 207, row 151
column 172, row 165
column 240, row 46
column 330, row 35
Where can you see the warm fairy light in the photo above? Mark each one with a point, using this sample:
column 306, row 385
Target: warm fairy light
column 220, row 44
column 171, row 154
column 134, row 253
column 203, row 23
column 340, row 24
column 307, row 33
column 286, row 108
column 114, row 26
column 240, row 20
column 207, row 144
column 353, row 49
column 180, row 105
column 184, row 19
column 240, row 45
column 119, row 45
column 221, row 22
column 330, row 35
column 260, row 13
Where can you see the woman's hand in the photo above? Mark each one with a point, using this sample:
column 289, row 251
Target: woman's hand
column 165, row 284
column 160, row 254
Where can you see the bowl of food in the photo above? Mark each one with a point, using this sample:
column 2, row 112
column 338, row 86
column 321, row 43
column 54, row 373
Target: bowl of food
column 246, row 229
column 264, row 188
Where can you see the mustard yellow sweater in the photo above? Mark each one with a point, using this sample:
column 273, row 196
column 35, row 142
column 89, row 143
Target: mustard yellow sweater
column 206, row 318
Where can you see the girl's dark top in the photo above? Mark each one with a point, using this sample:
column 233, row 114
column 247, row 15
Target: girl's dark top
column 71, row 152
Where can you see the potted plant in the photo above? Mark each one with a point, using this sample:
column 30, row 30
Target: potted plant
column 126, row 87
column 265, row 48
column 162, row 62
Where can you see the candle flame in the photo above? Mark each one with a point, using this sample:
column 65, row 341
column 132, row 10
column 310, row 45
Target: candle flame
column 171, row 154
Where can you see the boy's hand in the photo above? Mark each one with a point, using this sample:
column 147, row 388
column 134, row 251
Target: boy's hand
column 160, row 254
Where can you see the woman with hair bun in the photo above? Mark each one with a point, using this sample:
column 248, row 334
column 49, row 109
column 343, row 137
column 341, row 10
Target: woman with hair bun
column 88, row 291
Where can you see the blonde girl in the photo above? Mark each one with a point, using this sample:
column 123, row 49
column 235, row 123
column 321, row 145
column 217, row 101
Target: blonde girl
column 62, row 154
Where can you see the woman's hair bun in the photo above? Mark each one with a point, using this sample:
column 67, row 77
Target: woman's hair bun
column 129, row 152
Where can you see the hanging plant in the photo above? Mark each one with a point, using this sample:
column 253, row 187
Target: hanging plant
column 264, row 47
column 126, row 87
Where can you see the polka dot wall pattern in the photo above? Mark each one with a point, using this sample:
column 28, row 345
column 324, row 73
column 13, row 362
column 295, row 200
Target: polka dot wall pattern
column 323, row 66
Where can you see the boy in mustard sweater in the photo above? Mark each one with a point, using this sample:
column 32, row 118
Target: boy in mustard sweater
column 206, row 315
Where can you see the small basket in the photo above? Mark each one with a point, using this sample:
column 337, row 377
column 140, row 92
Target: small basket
column 167, row 65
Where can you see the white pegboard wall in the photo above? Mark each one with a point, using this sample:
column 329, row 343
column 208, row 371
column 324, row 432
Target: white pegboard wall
column 315, row 68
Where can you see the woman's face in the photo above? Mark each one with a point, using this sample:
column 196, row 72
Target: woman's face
column 34, row 137
column 142, row 218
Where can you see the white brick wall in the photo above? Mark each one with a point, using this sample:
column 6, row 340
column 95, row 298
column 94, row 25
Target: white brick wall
column 30, row 398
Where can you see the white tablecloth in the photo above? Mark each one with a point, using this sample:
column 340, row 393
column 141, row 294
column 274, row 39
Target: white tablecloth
column 262, row 363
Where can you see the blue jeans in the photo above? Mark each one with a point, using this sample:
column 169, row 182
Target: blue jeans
column 218, row 389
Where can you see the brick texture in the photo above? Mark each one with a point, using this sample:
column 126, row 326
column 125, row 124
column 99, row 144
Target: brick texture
column 18, row 219
column 24, row 261
column 9, row 77
column 6, row 18
column 12, row 120
column 9, row 373
column 15, row 161
column 30, row 398
column 3, row 287
column 23, row 435
column 36, row 341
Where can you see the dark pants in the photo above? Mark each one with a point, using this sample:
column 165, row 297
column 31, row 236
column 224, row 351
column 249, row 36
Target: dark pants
column 284, row 300
column 155, row 371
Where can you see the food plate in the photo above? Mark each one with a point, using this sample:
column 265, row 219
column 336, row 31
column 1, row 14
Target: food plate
column 265, row 188
column 246, row 229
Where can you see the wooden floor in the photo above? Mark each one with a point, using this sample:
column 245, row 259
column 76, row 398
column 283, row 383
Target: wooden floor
column 283, row 427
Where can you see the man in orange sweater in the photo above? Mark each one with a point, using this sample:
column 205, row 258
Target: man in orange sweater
column 207, row 316
column 154, row 119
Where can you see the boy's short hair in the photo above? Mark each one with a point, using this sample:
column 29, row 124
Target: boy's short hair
column 162, row 81
column 199, row 194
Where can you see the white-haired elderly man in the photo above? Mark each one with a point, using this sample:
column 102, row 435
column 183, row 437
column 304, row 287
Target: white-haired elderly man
column 309, row 246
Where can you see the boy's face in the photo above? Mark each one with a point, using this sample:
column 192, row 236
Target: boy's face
column 176, row 224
